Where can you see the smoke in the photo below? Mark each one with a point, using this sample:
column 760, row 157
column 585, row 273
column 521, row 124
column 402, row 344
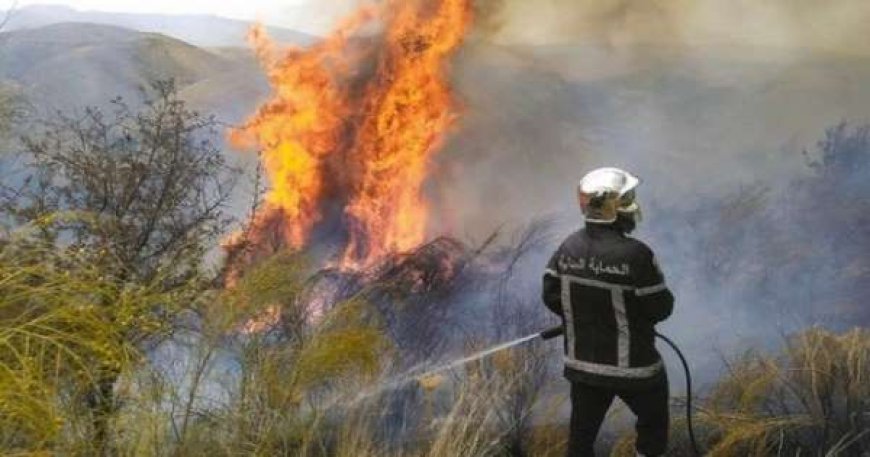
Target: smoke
column 711, row 102
column 804, row 25
column 834, row 26
column 608, row 21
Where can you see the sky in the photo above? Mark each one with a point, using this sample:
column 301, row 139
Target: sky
column 831, row 25
column 248, row 9
column 303, row 15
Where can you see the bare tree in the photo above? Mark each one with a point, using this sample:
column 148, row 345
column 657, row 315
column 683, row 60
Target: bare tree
column 8, row 110
column 8, row 101
column 7, row 15
column 141, row 192
column 144, row 191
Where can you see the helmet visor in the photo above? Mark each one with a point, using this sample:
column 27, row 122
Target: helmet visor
column 628, row 200
column 628, row 204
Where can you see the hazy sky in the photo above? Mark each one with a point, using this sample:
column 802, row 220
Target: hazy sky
column 304, row 15
column 247, row 9
column 830, row 25
column 818, row 25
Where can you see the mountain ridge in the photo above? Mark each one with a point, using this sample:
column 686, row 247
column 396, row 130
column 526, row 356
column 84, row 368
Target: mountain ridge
column 200, row 30
column 70, row 65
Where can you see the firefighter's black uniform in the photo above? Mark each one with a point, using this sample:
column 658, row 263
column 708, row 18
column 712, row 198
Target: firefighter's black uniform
column 610, row 293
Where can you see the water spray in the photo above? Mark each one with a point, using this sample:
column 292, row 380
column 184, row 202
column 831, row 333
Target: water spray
column 431, row 379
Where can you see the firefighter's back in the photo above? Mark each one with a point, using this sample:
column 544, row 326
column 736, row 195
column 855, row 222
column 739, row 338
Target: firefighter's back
column 605, row 276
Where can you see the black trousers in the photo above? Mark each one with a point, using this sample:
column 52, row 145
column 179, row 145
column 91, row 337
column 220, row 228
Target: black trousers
column 589, row 405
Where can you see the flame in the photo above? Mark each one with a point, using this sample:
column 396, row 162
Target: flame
column 409, row 107
column 268, row 318
column 355, row 120
column 300, row 126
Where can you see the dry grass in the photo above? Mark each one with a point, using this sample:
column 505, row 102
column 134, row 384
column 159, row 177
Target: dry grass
column 812, row 397
column 58, row 337
column 314, row 392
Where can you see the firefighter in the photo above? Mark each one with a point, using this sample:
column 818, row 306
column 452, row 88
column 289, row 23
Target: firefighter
column 610, row 293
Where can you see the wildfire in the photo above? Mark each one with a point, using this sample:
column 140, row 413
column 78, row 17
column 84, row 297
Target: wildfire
column 299, row 127
column 354, row 122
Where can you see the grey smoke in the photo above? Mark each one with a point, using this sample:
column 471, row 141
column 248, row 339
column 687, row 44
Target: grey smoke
column 713, row 105
column 834, row 26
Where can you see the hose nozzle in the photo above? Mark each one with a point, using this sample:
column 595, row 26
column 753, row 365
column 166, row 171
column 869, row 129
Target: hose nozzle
column 551, row 333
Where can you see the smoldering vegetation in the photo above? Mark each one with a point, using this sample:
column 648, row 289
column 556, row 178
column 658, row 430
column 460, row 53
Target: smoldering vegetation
column 792, row 248
column 740, row 170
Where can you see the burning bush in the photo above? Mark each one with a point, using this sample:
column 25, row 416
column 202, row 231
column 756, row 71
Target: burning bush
column 304, row 383
column 348, row 136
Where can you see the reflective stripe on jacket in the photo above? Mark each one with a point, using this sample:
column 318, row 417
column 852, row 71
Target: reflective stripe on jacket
column 610, row 293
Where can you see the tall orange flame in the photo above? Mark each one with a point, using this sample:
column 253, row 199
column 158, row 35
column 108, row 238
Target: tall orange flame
column 300, row 126
column 334, row 132
column 408, row 108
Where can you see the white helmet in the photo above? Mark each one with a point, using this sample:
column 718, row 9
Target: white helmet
column 605, row 192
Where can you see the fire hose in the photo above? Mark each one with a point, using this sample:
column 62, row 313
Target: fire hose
column 558, row 331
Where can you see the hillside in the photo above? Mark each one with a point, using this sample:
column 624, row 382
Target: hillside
column 200, row 30
column 72, row 65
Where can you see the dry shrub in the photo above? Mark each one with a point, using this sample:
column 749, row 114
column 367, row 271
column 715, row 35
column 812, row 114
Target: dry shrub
column 297, row 389
column 63, row 324
column 811, row 398
column 284, row 384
